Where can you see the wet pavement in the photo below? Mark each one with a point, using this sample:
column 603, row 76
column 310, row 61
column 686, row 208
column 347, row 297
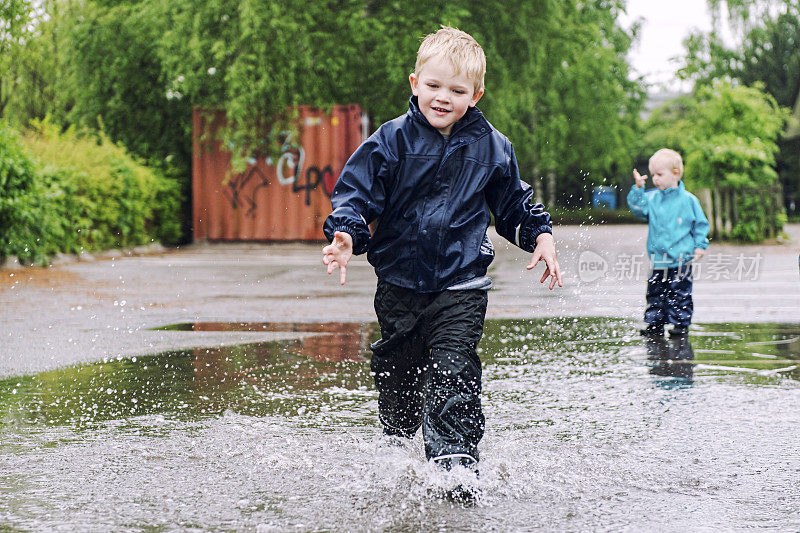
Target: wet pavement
column 226, row 387
column 589, row 427
column 88, row 311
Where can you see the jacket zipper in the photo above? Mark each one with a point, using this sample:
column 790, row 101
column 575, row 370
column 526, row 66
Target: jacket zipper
column 424, row 206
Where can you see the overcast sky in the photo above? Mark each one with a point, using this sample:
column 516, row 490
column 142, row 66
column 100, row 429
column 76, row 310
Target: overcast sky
column 664, row 27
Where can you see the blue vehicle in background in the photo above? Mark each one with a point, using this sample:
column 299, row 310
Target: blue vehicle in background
column 604, row 196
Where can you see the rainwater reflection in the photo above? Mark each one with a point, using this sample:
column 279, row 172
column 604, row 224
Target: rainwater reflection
column 589, row 426
column 671, row 358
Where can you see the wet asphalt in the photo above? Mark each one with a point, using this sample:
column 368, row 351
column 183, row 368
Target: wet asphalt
column 86, row 311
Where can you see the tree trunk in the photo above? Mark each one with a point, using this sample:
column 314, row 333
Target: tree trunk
column 770, row 213
column 551, row 188
column 704, row 195
column 537, row 185
column 719, row 228
column 3, row 101
column 726, row 210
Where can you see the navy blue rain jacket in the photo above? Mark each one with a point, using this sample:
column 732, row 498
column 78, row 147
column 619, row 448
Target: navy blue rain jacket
column 432, row 200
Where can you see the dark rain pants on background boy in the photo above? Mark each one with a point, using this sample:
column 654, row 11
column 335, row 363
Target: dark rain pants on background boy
column 669, row 296
column 427, row 369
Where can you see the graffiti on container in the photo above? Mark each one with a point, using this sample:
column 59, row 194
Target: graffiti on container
column 234, row 191
column 290, row 163
column 289, row 170
column 314, row 178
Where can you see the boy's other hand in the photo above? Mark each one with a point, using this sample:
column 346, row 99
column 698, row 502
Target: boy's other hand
column 639, row 179
column 699, row 253
column 338, row 253
column 546, row 250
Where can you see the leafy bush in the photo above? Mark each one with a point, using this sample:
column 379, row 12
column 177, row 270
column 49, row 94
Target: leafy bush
column 69, row 192
column 119, row 202
column 33, row 207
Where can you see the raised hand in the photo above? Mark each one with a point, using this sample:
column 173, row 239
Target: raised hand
column 546, row 250
column 338, row 253
column 639, row 179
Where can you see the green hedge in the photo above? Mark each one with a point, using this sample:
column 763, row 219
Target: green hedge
column 33, row 224
column 67, row 192
column 592, row 216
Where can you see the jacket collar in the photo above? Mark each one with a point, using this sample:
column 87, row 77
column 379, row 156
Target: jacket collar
column 473, row 120
column 674, row 190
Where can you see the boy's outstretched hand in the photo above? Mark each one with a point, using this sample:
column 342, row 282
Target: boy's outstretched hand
column 546, row 250
column 338, row 253
column 639, row 179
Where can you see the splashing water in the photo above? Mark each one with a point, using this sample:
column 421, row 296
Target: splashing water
column 589, row 426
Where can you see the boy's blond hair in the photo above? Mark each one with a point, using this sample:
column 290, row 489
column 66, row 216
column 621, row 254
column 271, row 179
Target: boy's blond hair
column 459, row 48
column 670, row 157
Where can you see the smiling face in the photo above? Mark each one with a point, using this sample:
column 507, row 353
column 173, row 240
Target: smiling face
column 444, row 96
column 665, row 176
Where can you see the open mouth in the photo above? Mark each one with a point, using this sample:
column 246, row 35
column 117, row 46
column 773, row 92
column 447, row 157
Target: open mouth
column 440, row 109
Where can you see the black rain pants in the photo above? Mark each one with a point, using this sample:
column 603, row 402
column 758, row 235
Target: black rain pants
column 426, row 367
column 669, row 296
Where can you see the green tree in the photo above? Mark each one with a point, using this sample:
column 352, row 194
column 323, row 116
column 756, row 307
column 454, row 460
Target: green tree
column 555, row 68
column 771, row 55
column 117, row 77
column 15, row 16
column 556, row 72
column 96, row 66
column 727, row 134
column 37, row 74
column 767, row 49
column 559, row 71
column 766, row 52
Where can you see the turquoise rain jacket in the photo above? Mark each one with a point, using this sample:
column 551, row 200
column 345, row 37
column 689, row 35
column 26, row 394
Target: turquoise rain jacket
column 677, row 224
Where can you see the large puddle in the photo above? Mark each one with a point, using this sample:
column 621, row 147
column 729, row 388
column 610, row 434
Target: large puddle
column 589, row 427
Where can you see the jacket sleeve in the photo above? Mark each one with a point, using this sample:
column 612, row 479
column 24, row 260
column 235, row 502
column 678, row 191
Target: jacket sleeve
column 638, row 203
column 700, row 227
column 359, row 194
column 516, row 218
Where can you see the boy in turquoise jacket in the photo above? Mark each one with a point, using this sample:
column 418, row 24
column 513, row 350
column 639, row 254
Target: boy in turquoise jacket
column 677, row 235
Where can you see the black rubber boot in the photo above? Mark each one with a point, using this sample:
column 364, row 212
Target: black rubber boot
column 447, row 463
column 653, row 330
column 397, row 438
column 679, row 331
column 461, row 494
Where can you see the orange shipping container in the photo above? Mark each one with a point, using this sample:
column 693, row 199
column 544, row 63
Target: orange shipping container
column 284, row 200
